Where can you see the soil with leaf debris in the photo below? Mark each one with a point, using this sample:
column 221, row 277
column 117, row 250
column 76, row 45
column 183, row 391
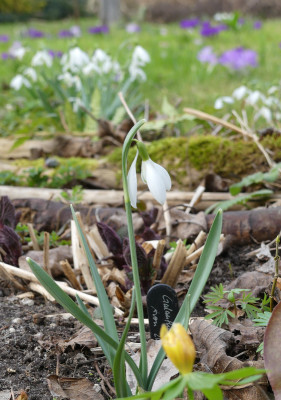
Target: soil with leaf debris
column 34, row 337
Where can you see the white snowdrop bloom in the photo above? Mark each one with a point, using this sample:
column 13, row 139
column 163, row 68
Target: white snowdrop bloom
column 31, row 73
column 71, row 80
column 220, row 102
column 17, row 50
column 156, row 177
column 89, row 68
column 254, row 97
column 240, row 92
column 265, row 113
column 18, row 81
column 224, row 16
column 42, row 57
column 76, row 103
column 140, row 56
column 271, row 101
column 136, row 72
column 74, row 60
column 272, row 89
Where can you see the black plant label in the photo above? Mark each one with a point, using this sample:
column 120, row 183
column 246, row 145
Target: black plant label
column 162, row 308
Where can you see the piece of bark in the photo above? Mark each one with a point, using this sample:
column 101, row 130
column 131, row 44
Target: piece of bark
column 256, row 225
column 176, row 265
column 70, row 275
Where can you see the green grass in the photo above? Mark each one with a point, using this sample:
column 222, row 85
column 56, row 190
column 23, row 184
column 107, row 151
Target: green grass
column 174, row 71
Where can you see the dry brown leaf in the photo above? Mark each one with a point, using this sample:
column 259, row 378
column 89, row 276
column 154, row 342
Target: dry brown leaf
column 72, row 388
column 166, row 371
column 84, row 337
column 22, row 396
column 212, row 343
column 256, row 281
column 55, row 256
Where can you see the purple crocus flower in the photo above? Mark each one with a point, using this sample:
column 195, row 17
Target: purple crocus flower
column 206, row 55
column 55, row 54
column 189, row 23
column 133, row 27
column 5, row 55
column 98, row 29
column 257, row 25
column 209, row 30
column 239, row 58
column 65, row 34
column 35, row 33
column 4, row 38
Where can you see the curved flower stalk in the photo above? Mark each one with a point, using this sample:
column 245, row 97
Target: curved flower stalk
column 156, row 177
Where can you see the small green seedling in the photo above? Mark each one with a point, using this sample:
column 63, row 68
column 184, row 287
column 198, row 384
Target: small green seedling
column 237, row 298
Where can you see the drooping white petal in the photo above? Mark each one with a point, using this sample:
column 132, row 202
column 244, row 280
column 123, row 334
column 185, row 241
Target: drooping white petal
column 132, row 182
column 157, row 179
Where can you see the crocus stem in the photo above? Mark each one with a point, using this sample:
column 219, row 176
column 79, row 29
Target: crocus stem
column 136, row 278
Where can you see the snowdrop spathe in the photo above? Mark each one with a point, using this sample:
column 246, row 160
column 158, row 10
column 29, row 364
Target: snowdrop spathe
column 156, row 177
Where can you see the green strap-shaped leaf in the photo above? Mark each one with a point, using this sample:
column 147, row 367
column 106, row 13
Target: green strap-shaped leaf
column 198, row 283
column 105, row 341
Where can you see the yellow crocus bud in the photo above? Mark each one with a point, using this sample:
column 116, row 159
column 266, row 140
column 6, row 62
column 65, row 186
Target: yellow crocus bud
column 179, row 347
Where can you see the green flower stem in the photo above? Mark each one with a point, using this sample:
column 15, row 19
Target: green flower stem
column 134, row 261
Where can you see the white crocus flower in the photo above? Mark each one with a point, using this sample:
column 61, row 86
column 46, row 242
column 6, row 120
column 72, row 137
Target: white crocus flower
column 18, row 81
column 42, row 57
column 156, row 177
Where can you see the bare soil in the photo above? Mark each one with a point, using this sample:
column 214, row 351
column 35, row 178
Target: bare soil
column 29, row 349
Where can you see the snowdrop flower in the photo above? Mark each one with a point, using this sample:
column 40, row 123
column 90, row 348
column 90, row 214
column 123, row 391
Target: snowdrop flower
column 17, row 50
column 74, row 60
column 140, row 56
column 156, row 177
column 254, row 97
column 76, row 103
column 42, row 58
column 71, row 80
column 220, row 102
column 240, row 92
column 18, row 81
column 31, row 73
column 265, row 113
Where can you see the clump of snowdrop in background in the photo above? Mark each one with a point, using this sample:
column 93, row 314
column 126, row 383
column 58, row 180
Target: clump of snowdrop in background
column 79, row 82
column 266, row 107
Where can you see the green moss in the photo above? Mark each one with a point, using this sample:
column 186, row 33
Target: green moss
column 84, row 163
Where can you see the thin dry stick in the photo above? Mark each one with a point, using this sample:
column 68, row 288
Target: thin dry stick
column 33, row 237
column 229, row 125
column 69, row 273
column 46, row 248
column 129, row 112
column 276, row 262
column 196, row 198
column 78, row 215
column 72, row 292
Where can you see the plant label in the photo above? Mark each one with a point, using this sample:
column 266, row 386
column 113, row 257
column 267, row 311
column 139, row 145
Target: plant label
column 162, row 308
